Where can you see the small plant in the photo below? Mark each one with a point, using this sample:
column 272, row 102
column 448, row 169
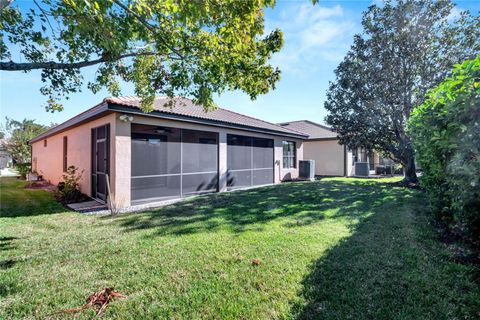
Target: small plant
column 23, row 169
column 68, row 191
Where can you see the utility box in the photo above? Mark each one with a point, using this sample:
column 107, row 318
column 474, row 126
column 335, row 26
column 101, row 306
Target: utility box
column 306, row 170
column 362, row 169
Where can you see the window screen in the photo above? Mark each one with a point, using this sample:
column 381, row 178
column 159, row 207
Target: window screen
column 199, row 161
column 289, row 155
column 249, row 161
column 171, row 162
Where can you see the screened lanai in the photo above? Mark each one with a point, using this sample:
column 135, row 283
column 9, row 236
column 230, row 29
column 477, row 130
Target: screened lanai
column 172, row 162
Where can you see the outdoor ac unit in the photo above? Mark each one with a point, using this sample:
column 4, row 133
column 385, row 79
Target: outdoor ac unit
column 362, row 169
column 306, row 169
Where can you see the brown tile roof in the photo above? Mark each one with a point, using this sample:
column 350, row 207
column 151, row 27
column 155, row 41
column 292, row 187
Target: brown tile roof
column 312, row 129
column 186, row 108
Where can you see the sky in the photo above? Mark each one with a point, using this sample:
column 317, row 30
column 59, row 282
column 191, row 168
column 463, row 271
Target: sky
column 316, row 38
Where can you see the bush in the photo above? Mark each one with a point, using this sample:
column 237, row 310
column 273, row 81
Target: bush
column 446, row 134
column 23, row 169
column 68, row 191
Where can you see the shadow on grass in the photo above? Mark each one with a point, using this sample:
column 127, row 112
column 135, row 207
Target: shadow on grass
column 6, row 244
column 391, row 267
column 17, row 201
column 296, row 204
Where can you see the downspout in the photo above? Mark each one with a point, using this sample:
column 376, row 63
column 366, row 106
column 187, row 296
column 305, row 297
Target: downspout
column 344, row 160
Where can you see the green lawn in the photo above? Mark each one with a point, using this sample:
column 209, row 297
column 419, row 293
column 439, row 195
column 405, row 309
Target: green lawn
column 331, row 249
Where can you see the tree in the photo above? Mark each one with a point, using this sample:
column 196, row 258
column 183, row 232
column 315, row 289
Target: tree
column 407, row 47
column 18, row 134
column 186, row 48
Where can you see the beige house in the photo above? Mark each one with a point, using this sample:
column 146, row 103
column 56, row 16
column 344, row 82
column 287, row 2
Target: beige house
column 168, row 153
column 331, row 158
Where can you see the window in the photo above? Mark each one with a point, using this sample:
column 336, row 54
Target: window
column 45, row 142
column 289, row 155
column 65, row 147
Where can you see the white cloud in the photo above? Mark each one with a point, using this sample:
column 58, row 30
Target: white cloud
column 379, row 3
column 455, row 13
column 312, row 34
column 308, row 13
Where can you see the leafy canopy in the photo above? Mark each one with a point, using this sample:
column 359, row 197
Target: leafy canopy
column 17, row 135
column 446, row 134
column 407, row 47
column 170, row 47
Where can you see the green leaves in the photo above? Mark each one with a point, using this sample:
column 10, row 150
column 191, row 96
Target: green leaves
column 446, row 133
column 18, row 134
column 406, row 48
column 185, row 48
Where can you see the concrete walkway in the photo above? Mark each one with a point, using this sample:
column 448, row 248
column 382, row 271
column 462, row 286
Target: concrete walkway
column 7, row 172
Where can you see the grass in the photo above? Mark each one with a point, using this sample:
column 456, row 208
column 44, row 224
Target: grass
column 337, row 248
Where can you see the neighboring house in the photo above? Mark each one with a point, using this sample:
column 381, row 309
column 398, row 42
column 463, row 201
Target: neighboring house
column 321, row 145
column 168, row 153
column 5, row 157
column 331, row 158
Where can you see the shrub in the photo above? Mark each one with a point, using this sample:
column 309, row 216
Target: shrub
column 68, row 191
column 446, row 134
column 23, row 169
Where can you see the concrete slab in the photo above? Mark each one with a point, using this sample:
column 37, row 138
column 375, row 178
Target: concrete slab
column 87, row 206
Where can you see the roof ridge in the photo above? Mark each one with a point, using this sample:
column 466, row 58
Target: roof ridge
column 308, row 121
column 319, row 124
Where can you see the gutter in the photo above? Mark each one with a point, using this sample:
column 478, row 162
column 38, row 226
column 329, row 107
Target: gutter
column 323, row 139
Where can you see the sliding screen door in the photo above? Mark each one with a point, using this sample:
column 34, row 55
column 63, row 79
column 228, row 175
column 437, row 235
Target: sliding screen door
column 199, row 162
column 171, row 162
column 249, row 161
column 155, row 162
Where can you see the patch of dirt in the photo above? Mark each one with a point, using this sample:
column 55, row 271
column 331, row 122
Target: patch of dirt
column 408, row 185
column 40, row 185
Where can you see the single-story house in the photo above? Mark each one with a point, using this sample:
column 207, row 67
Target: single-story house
column 179, row 151
column 168, row 153
column 5, row 158
column 331, row 158
column 321, row 145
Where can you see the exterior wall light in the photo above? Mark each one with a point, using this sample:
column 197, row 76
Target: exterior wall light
column 126, row 118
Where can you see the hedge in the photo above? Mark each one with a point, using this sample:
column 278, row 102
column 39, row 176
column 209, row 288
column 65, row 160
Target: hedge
column 445, row 131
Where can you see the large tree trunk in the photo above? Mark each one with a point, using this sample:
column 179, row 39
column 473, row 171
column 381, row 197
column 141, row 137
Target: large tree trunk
column 409, row 169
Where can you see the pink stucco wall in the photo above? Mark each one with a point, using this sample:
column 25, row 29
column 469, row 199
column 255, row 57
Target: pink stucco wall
column 48, row 161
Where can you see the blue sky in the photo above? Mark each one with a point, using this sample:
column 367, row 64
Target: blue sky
column 316, row 39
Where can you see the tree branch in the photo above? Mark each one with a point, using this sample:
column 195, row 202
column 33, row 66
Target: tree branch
column 45, row 15
column 5, row 3
column 14, row 66
column 146, row 24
